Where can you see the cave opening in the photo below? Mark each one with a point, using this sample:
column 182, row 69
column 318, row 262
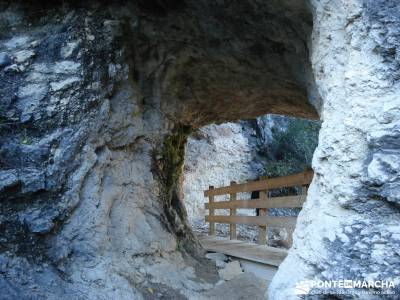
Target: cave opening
column 246, row 150
column 231, row 70
column 98, row 99
column 255, row 71
column 186, row 67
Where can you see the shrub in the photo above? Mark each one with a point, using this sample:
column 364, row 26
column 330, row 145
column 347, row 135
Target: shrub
column 291, row 149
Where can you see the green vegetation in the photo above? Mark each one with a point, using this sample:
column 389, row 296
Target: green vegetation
column 171, row 158
column 292, row 149
column 173, row 154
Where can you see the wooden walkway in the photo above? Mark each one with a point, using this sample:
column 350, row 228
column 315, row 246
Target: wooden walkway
column 240, row 249
column 252, row 254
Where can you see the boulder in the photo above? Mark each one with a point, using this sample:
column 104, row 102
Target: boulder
column 231, row 270
column 5, row 59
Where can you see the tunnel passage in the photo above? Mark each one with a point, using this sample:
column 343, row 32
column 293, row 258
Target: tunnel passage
column 215, row 68
column 97, row 102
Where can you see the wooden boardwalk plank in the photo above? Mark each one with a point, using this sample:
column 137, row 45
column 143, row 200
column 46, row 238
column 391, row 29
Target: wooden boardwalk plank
column 249, row 251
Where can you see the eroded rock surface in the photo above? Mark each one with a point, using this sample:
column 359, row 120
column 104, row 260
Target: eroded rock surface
column 97, row 100
column 348, row 227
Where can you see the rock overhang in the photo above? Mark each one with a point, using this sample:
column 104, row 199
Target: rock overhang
column 191, row 64
column 236, row 60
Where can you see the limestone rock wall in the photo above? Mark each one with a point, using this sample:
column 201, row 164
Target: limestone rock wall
column 81, row 211
column 97, row 99
column 217, row 155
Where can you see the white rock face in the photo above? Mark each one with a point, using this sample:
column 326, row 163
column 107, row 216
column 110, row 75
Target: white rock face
column 23, row 55
column 217, row 155
column 243, row 286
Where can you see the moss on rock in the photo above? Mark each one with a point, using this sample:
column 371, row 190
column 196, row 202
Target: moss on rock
column 173, row 155
column 169, row 166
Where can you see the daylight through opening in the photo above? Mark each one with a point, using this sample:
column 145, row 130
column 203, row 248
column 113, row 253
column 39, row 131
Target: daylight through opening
column 248, row 150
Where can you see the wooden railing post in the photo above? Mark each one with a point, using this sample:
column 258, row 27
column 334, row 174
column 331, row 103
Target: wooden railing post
column 211, row 212
column 304, row 189
column 262, row 230
column 232, row 212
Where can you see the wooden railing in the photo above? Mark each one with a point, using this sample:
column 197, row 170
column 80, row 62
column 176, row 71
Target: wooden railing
column 263, row 202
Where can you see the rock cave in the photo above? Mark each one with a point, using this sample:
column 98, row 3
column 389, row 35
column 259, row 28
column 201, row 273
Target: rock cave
column 98, row 99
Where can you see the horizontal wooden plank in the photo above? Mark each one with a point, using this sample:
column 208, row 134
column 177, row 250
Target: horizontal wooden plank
column 273, row 202
column 249, row 251
column 302, row 178
column 223, row 241
column 250, row 220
